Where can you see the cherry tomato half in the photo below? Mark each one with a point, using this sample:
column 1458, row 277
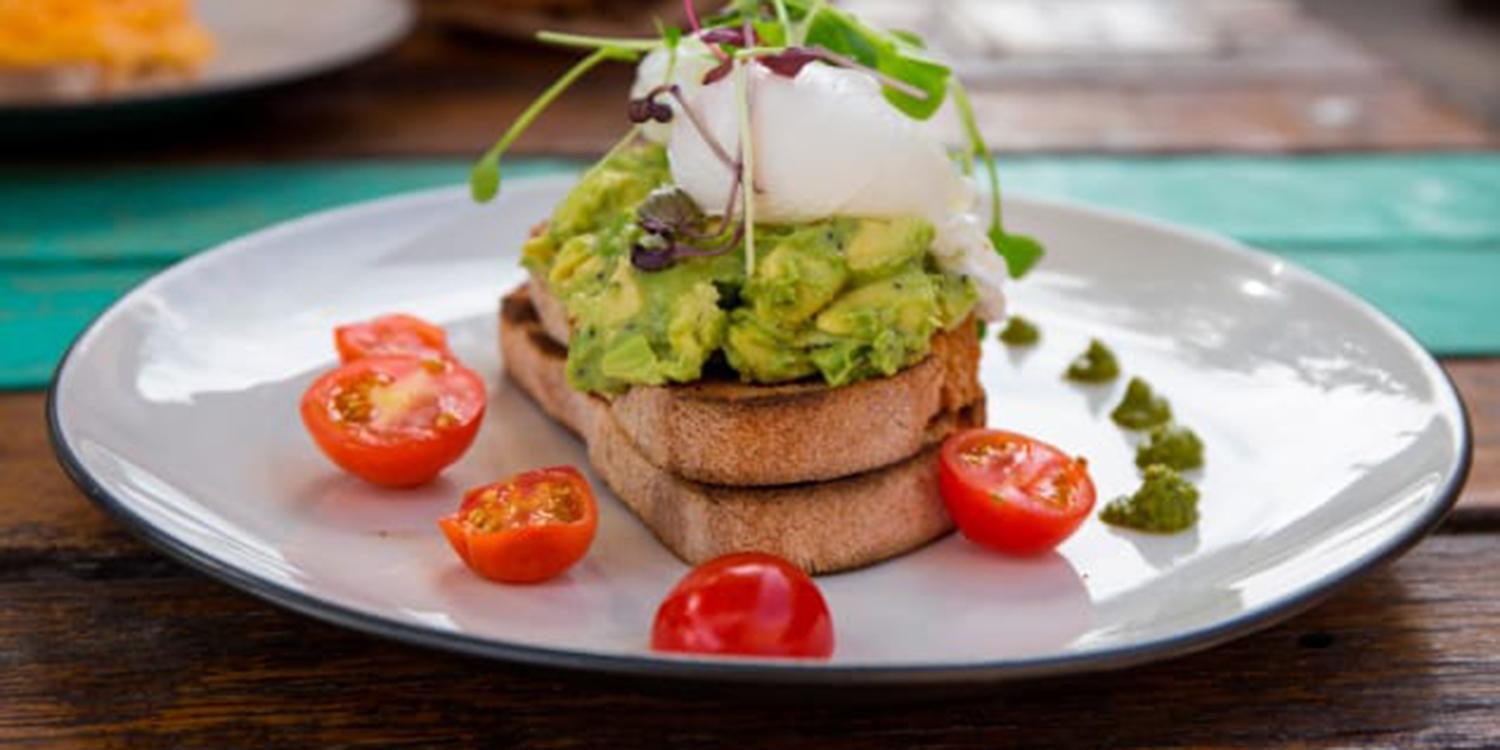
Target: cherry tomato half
column 390, row 335
column 749, row 604
column 1011, row 493
column 525, row 529
column 395, row 421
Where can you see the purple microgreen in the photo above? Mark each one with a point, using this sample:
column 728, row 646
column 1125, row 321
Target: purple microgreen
column 697, row 26
column 692, row 16
column 718, row 72
column 669, row 211
column 484, row 179
column 669, row 220
column 724, row 35
column 788, row 63
column 652, row 259
column 648, row 108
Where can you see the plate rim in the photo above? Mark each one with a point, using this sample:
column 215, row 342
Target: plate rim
column 405, row 22
column 766, row 671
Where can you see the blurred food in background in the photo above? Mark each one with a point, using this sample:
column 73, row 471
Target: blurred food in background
column 523, row 18
column 78, row 49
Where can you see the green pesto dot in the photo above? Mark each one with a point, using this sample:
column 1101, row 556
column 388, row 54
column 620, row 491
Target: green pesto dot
column 1170, row 445
column 1165, row 504
column 1020, row 332
column 1096, row 365
column 1141, row 408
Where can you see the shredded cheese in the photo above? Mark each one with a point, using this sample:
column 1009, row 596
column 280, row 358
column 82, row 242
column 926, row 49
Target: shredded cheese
column 123, row 38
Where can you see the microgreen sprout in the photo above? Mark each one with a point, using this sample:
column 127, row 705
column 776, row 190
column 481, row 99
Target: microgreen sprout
column 782, row 17
column 747, row 161
column 1019, row 251
column 559, row 39
column 484, row 181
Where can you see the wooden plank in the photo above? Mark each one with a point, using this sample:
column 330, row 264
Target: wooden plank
column 159, row 657
column 41, row 512
column 1478, row 382
column 448, row 94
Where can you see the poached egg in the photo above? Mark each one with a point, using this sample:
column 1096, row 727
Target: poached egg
column 826, row 143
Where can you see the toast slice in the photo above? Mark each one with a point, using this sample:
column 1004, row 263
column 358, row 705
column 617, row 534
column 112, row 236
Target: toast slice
column 814, row 432
column 822, row 526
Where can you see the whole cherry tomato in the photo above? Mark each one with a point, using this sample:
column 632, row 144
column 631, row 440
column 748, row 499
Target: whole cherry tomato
column 748, row 604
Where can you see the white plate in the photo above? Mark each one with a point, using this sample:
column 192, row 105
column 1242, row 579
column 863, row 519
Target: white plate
column 261, row 43
column 1334, row 443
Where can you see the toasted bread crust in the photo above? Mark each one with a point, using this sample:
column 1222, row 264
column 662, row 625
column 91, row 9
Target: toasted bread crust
column 814, row 432
column 823, row 526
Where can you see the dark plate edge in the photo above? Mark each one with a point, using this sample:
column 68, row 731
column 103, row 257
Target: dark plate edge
column 774, row 672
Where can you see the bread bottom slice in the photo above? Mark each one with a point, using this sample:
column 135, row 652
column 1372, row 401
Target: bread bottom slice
column 823, row 527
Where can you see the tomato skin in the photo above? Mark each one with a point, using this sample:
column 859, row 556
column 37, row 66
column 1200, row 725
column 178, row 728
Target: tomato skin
column 527, row 552
column 745, row 604
column 408, row 441
column 391, row 335
column 996, row 486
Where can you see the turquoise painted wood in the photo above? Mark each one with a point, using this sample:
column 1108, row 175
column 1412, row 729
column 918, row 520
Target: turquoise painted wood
column 1416, row 234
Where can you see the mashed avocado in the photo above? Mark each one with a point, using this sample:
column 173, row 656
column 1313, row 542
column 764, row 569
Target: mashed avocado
column 843, row 299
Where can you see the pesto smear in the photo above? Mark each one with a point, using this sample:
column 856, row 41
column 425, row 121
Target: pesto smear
column 1097, row 364
column 1171, row 445
column 1020, row 332
column 1165, row 503
column 841, row 299
column 1141, row 408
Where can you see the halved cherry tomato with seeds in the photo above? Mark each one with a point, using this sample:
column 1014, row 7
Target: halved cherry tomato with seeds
column 525, row 529
column 390, row 335
column 395, row 421
column 1012, row 493
column 748, row 604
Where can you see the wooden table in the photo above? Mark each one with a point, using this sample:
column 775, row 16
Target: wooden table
column 104, row 643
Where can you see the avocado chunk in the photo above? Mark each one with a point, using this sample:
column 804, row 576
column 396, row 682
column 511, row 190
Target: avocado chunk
column 760, row 353
column 883, row 247
column 801, row 274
